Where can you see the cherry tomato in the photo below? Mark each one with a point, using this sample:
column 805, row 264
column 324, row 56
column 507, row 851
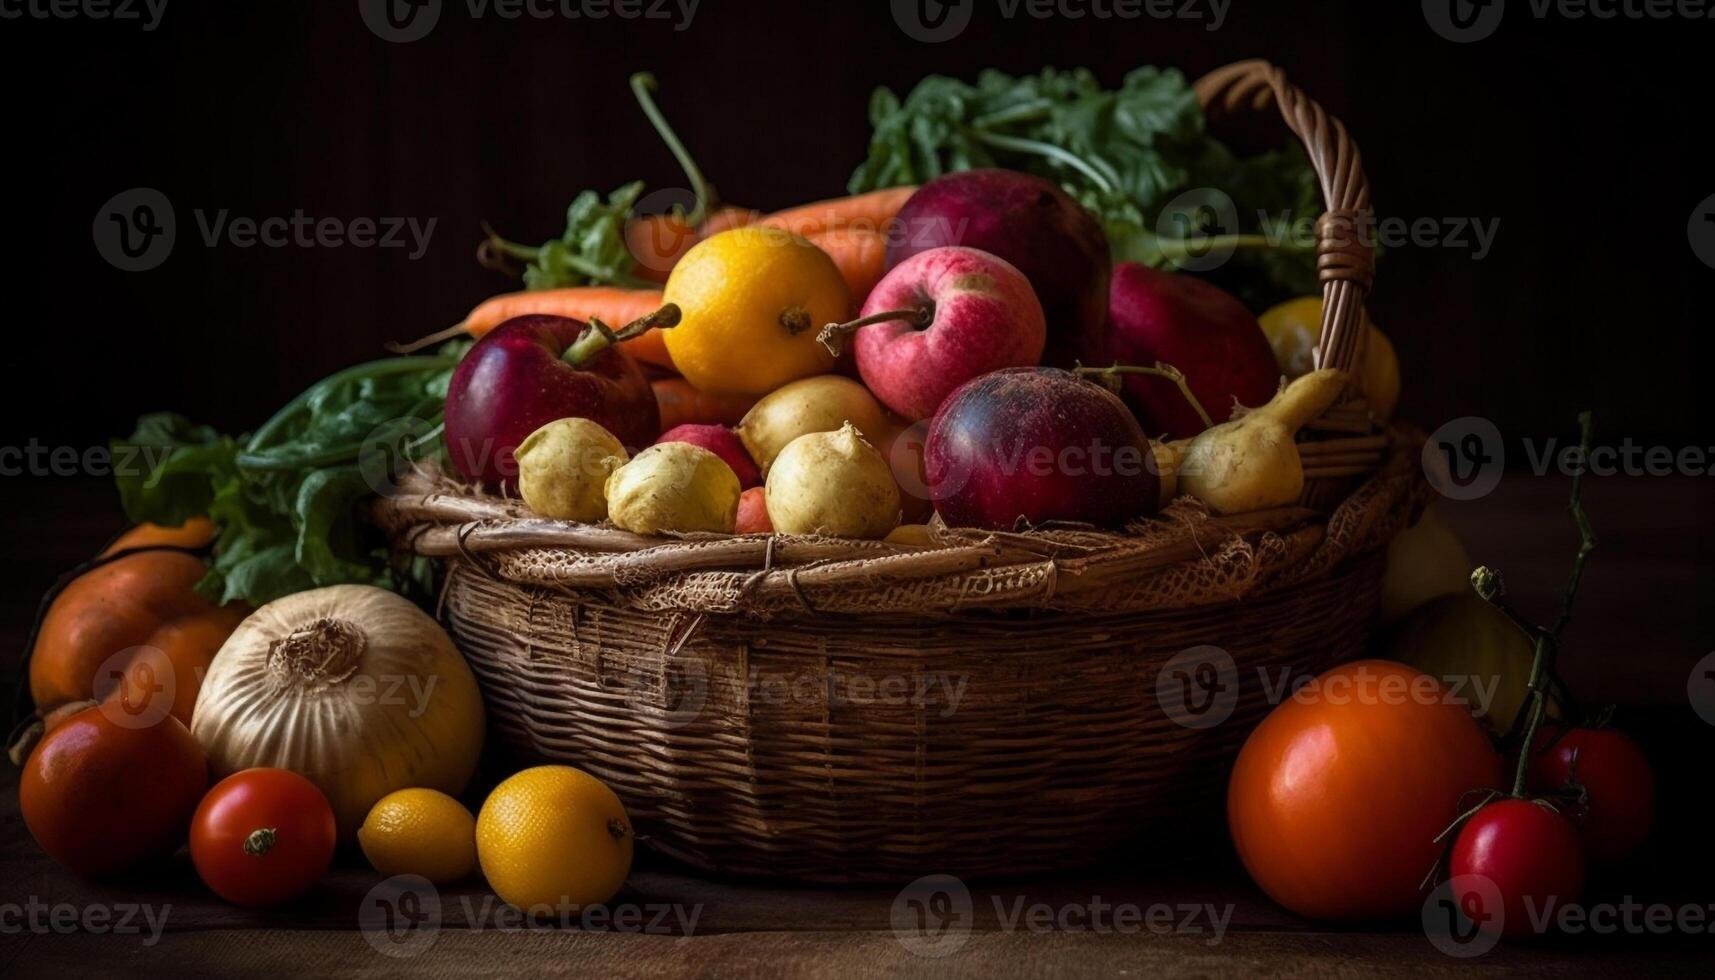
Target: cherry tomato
column 262, row 837
column 1616, row 776
column 1337, row 797
column 106, row 790
column 1524, row 853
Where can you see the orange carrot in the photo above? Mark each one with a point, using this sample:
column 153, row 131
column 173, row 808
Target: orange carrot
column 860, row 254
column 612, row 305
column 682, row 404
column 873, row 211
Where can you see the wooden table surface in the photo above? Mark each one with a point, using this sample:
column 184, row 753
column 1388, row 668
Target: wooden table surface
column 1641, row 626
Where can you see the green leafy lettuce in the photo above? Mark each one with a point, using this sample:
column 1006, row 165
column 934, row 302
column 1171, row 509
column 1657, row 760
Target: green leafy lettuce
column 291, row 499
column 1129, row 154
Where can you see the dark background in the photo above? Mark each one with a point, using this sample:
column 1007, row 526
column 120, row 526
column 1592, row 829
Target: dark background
column 1577, row 135
column 1581, row 137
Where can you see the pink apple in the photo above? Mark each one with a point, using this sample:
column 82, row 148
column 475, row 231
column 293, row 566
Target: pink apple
column 721, row 441
column 959, row 313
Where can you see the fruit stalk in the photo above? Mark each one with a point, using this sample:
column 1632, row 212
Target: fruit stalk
column 1160, row 370
column 1545, row 639
column 600, row 336
column 833, row 336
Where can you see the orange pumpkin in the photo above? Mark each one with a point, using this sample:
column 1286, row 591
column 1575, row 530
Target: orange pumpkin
column 133, row 628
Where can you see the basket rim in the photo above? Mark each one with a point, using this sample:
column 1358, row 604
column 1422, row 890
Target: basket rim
column 430, row 515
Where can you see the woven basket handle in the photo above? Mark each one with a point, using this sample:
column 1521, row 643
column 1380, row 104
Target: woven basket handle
column 1345, row 263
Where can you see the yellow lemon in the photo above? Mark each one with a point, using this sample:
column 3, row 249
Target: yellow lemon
column 554, row 836
column 1291, row 328
column 751, row 302
column 420, row 832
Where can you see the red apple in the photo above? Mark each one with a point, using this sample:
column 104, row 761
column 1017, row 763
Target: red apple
column 1201, row 330
column 1039, row 444
column 1030, row 222
column 721, row 441
column 528, row 372
column 960, row 312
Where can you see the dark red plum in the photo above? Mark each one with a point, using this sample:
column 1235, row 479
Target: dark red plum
column 1036, row 226
column 1198, row 328
column 1039, row 444
column 528, row 372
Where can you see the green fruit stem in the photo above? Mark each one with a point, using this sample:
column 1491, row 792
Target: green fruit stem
column 600, row 336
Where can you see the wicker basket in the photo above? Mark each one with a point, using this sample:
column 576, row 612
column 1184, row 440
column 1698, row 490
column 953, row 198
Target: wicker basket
column 840, row 710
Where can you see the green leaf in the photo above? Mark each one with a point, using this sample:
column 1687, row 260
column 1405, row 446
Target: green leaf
column 292, row 506
column 166, row 469
column 592, row 249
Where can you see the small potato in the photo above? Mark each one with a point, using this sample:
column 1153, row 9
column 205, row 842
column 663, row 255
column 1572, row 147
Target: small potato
column 673, row 486
column 832, row 483
column 819, row 404
column 563, row 466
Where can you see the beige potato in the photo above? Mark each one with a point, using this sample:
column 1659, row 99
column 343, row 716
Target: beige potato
column 819, row 404
column 563, row 469
column 832, row 483
column 673, row 486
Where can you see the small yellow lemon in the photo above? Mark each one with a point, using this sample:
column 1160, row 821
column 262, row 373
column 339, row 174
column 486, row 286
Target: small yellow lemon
column 752, row 301
column 554, row 836
column 1291, row 328
column 420, row 832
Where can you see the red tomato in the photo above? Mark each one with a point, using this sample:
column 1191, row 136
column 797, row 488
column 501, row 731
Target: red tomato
column 104, row 791
column 262, row 837
column 1337, row 797
column 1617, row 778
column 1523, row 852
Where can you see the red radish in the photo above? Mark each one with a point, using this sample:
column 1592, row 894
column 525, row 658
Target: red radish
column 753, row 513
column 939, row 319
column 1038, row 444
column 1199, row 329
column 1036, row 226
column 721, row 441
column 534, row 369
column 1526, row 852
column 1619, row 808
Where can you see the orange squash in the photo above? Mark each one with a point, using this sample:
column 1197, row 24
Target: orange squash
column 197, row 532
column 133, row 628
